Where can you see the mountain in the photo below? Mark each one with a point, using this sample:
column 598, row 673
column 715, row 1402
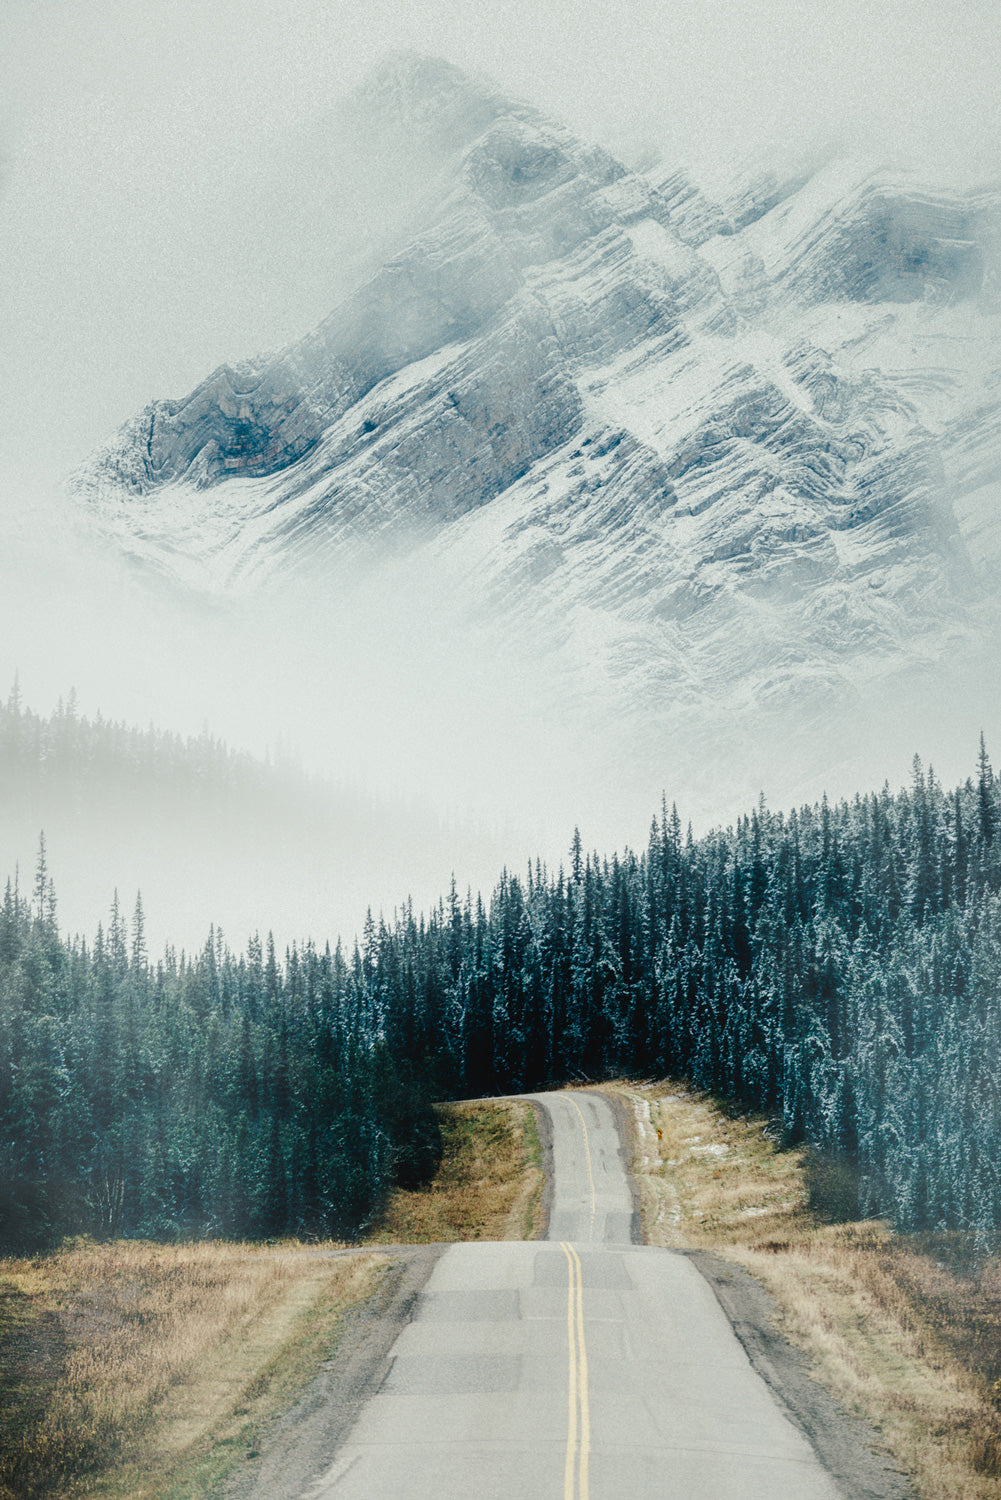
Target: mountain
column 732, row 449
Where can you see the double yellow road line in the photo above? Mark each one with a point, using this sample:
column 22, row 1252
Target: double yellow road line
column 576, row 1472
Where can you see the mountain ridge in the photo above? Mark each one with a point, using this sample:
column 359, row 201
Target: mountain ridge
column 736, row 447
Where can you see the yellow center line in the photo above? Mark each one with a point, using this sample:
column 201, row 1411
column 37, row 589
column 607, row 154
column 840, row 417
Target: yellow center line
column 579, row 1404
column 585, row 1400
column 587, row 1155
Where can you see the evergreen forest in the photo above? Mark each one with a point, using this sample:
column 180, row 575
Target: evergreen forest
column 838, row 967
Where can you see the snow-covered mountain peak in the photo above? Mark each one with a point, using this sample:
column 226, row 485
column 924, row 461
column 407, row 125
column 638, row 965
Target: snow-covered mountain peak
column 735, row 446
column 425, row 102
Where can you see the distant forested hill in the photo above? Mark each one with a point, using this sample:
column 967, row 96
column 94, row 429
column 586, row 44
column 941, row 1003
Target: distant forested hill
column 202, row 830
column 73, row 770
column 839, row 967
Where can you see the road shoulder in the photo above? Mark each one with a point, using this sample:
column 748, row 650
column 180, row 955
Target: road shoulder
column 544, row 1132
column 623, row 1125
column 847, row 1447
column 303, row 1443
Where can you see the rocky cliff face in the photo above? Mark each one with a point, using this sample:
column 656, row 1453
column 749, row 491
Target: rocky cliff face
column 743, row 449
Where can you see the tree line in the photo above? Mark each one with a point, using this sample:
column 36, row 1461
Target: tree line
column 201, row 1095
column 838, row 967
column 81, row 771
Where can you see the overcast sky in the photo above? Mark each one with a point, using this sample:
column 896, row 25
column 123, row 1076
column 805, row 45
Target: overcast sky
column 130, row 264
column 160, row 212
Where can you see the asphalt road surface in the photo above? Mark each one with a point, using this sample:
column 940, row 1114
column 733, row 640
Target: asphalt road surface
column 582, row 1367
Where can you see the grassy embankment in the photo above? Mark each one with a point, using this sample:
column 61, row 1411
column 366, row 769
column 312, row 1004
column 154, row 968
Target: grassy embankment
column 489, row 1185
column 897, row 1328
column 138, row 1370
column 133, row 1371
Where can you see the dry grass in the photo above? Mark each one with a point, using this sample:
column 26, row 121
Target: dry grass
column 145, row 1371
column 135, row 1371
column 892, row 1331
column 489, row 1185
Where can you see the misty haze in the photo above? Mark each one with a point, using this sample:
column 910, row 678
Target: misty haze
column 500, row 585
column 735, row 538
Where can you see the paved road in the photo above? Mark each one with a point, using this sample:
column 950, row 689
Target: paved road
column 584, row 1367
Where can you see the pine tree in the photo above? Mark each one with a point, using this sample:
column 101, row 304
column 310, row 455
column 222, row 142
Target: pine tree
column 41, row 880
column 986, row 810
column 139, row 954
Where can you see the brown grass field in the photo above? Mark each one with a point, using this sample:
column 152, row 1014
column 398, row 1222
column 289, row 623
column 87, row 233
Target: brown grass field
column 135, row 1371
column 902, row 1330
column 489, row 1185
column 141, row 1370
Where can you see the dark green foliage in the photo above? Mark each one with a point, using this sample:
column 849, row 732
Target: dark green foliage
column 412, row 1127
column 833, row 1186
column 838, row 968
column 180, row 1099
